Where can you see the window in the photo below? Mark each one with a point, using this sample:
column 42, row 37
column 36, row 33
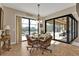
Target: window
column 29, row 27
column 25, row 26
column 33, row 27
column 64, row 28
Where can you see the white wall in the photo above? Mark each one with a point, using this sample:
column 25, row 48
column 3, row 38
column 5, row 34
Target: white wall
column 10, row 19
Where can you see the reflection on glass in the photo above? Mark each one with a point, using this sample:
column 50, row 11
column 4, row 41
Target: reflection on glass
column 63, row 28
column 70, row 29
column 76, row 28
column 33, row 27
column 25, row 28
column 60, row 29
column 73, row 30
column 49, row 25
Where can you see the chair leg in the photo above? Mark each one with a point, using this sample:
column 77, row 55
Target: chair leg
column 47, row 50
column 42, row 52
column 27, row 48
column 0, row 47
column 30, row 50
column 50, row 51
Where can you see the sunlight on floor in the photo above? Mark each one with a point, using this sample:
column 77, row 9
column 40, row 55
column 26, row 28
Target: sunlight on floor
column 55, row 42
column 23, row 38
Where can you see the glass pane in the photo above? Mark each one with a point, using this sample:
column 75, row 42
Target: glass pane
column 60, row 29
column 33, row 27
column 76, row 28
column 25, row 28
column 70, row 29
column 25, row 21
column 49, row 25
column 73, row 30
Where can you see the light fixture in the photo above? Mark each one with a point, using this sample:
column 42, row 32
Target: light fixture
column 7, row 30
column 38, row 18
column 39, row 21
column 7, row 27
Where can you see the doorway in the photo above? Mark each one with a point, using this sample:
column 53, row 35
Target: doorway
column 61, row 29
column 29, row 27
column 25, row 26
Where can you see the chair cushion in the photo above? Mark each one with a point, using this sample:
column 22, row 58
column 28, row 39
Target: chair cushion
column 44, row 37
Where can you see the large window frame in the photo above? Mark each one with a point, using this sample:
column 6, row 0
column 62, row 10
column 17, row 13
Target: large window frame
column 29, row 25
column 74, row 27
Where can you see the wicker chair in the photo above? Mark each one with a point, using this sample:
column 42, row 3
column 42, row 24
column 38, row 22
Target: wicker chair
column 45, row 42
column 30, row 42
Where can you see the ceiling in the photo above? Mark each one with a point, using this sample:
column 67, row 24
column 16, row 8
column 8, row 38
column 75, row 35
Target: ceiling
column 45, row 8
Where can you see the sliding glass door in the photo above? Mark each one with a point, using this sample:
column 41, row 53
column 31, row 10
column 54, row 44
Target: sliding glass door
column 29, row 26
column 25, row 28
column 50, row 27
column 63, row 28
column 33, row 27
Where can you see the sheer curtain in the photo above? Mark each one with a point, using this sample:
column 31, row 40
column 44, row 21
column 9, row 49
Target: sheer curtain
column 1, row 18
column 18, row 29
